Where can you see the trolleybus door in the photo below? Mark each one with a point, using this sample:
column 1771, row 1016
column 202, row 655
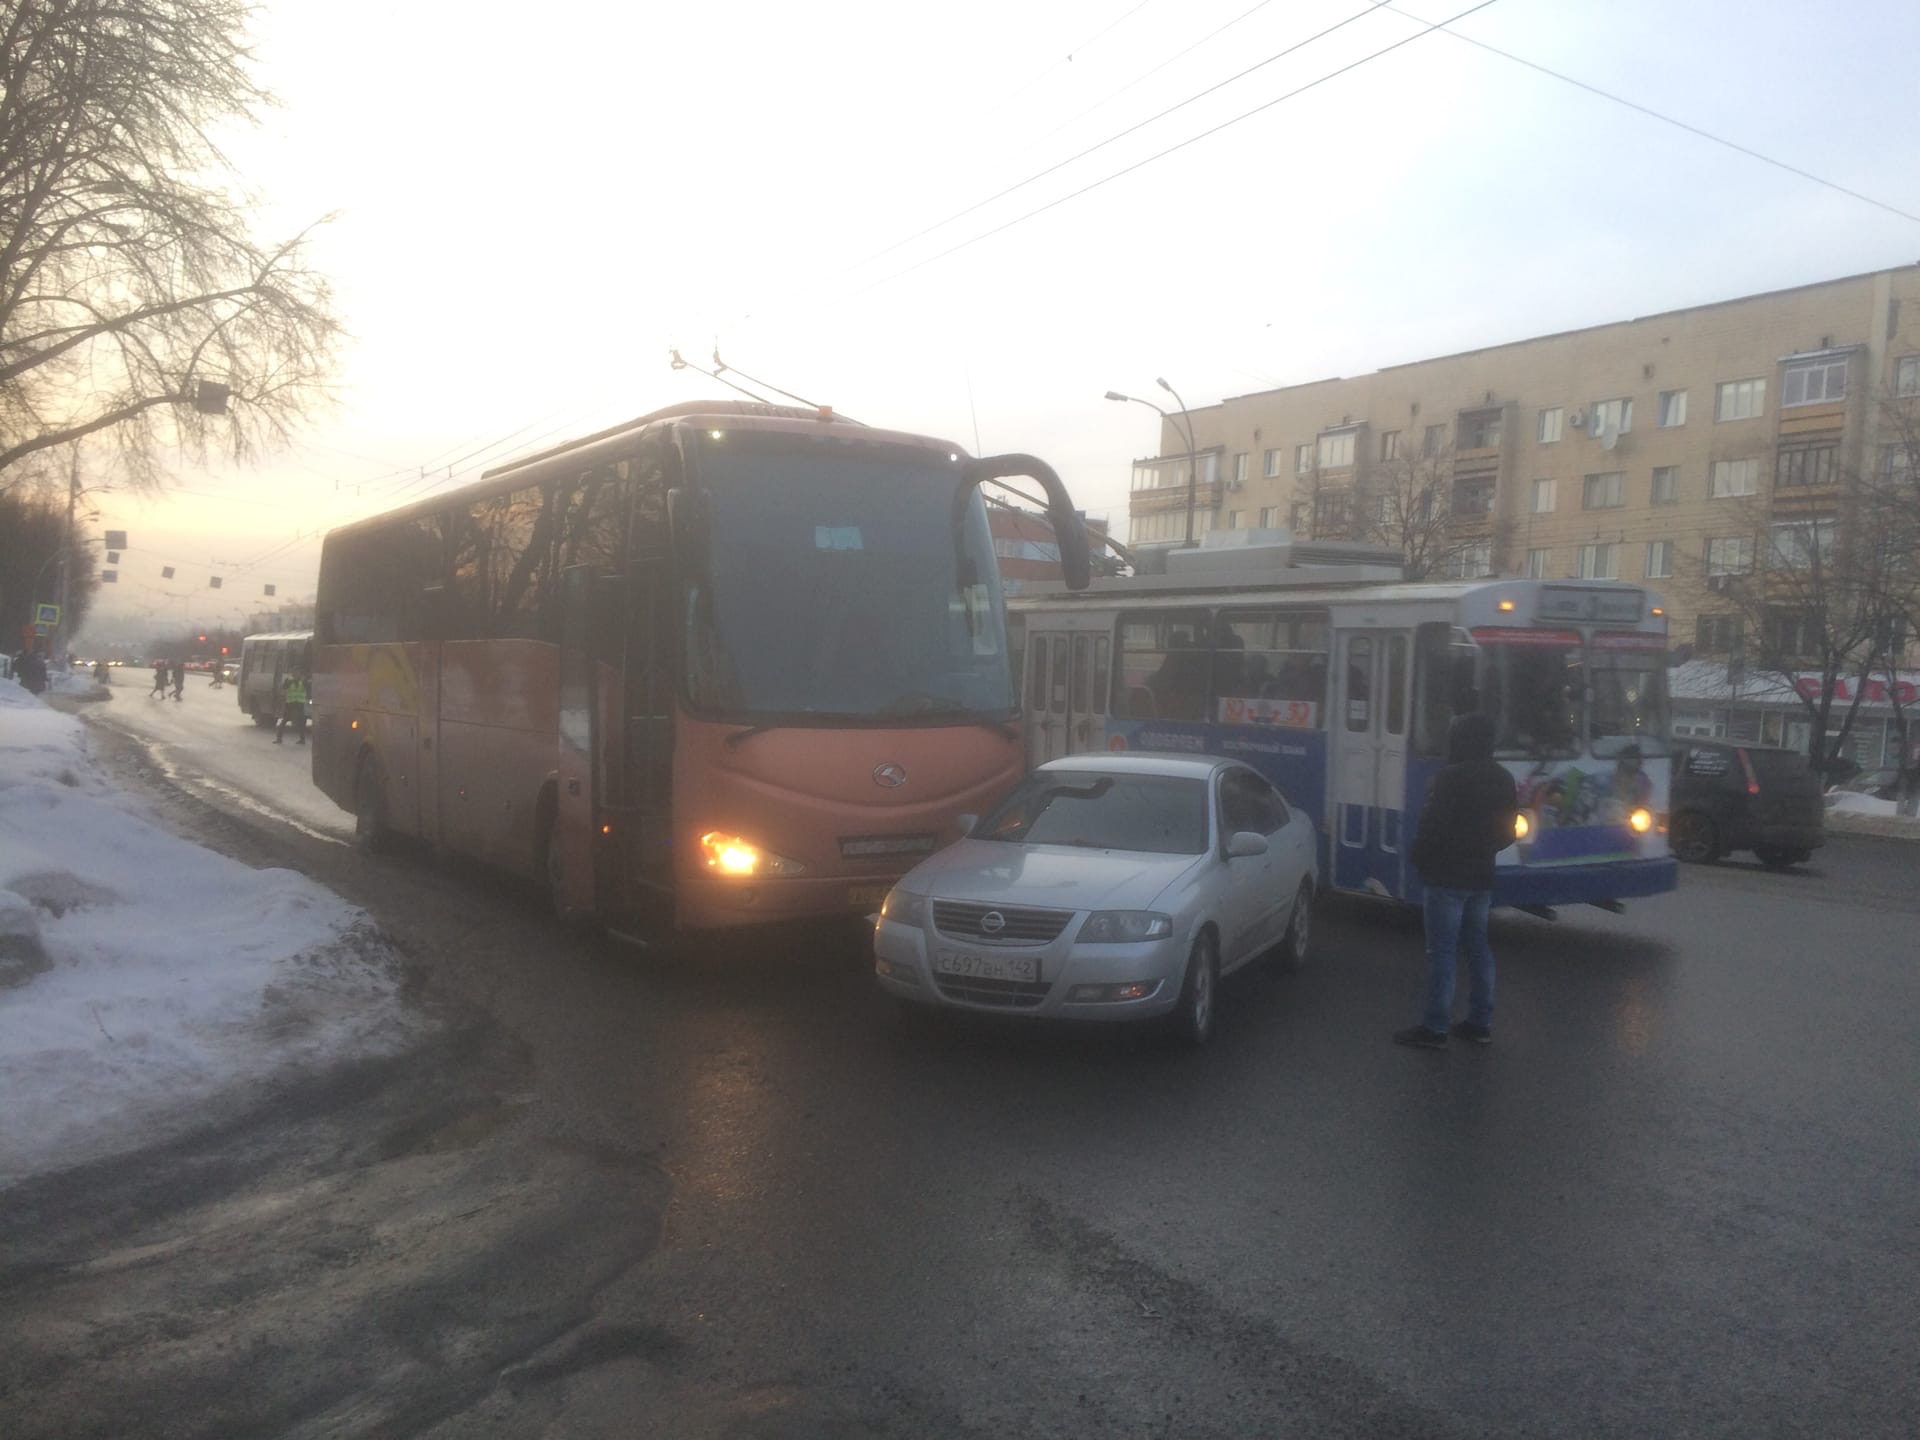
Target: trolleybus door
column 1369, row 742
column 1087, row 698
column 572, row 834
column 1049, row 665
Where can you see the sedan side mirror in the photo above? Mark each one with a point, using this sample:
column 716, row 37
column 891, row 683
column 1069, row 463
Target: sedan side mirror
column 1243, row 843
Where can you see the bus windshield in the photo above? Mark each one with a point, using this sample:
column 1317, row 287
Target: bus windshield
column 831, row 584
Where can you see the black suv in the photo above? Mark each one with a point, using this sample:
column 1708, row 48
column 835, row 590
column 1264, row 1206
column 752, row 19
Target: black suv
column 1728, row 796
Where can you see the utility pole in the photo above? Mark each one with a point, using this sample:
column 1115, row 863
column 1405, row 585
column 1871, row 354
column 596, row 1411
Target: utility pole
column 66, row 560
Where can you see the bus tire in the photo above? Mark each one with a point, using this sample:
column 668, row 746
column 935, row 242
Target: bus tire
column 265, row 722
column 371, row 831
column 553, row 880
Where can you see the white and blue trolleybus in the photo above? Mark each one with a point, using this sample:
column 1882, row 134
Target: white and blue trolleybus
column 1339, row 686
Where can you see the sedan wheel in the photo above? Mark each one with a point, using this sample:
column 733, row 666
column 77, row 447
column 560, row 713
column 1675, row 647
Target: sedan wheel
column 1294, row 945
column 1193, row 1017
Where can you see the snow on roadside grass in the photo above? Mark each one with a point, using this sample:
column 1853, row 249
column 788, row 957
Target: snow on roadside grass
column 174, row 974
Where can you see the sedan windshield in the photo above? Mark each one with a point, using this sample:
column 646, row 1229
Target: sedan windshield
column 1159, row 814
column 841, row 582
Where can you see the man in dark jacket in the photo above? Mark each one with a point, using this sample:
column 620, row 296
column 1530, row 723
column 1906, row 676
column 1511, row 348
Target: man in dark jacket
column 1467, row 820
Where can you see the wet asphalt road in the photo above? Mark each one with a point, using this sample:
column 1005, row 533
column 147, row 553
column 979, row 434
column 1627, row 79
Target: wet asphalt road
column 1676, row 1197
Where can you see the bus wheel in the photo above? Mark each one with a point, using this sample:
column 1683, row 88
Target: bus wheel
column 265, row 722
column 553, row 875
column 370, row 830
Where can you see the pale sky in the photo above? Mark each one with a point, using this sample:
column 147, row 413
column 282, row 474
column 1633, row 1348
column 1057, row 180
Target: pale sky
column 535, row 204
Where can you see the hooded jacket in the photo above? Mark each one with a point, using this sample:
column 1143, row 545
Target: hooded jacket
column 1469, row 810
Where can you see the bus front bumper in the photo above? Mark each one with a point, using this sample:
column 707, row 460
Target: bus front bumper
column 705, row 904
column 1516, row 885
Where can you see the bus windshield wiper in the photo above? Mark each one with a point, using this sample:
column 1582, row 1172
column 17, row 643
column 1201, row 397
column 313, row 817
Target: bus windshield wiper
column 934, row 707
column 738, row 737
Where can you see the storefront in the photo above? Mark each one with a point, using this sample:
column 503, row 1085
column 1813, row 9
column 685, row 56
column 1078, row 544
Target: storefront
column 1769, row 710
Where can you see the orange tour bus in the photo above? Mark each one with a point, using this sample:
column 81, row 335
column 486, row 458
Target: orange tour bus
column 727, row 663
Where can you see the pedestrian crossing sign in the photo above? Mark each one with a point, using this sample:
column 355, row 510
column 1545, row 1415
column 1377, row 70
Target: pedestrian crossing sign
column 46, row 615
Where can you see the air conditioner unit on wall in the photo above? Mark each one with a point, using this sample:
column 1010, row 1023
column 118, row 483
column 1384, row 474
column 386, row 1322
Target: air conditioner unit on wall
column 1577, row 419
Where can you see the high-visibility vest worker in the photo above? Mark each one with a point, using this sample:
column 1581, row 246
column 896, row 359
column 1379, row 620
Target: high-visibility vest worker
column 296, row 690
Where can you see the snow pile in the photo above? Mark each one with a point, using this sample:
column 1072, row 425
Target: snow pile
column 1850, row 802
column 167, row 973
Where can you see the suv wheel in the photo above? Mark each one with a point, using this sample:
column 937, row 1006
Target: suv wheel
column 1693, row 838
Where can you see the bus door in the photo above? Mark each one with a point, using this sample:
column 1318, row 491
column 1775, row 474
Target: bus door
column 1369, row 773
column 647, row 773
column 1087, row 696
column 570, row 859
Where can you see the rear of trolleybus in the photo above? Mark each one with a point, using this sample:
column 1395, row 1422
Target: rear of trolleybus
column 845, row 686
column 1575, row 678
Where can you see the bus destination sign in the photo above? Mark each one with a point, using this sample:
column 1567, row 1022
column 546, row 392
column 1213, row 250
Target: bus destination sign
column 1590, row 602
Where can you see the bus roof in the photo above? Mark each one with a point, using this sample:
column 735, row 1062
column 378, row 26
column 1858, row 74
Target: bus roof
column 692, row 415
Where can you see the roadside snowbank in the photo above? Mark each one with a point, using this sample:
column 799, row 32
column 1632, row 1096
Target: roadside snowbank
column 168, row 973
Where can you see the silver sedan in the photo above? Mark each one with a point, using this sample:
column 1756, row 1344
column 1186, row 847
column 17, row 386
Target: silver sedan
column 1106, row 887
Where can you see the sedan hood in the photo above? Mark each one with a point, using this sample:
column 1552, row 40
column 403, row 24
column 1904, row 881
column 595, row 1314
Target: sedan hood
column 1056, row 877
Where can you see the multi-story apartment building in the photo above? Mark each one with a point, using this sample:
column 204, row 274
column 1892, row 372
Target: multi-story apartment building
column 1661, row 448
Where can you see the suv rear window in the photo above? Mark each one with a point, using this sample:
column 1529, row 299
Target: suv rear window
column 1777, row 764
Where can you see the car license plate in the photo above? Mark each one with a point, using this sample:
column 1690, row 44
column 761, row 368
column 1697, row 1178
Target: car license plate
column 866, row 897
column 988, row 967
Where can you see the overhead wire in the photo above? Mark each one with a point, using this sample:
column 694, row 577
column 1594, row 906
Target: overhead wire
column 1665, row 118
column 1191, row 140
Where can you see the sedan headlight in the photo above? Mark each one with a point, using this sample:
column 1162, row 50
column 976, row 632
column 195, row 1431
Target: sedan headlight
column 1108, row 927
column 903, row 907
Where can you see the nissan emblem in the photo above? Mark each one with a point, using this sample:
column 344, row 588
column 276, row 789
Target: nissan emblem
column 993, row 922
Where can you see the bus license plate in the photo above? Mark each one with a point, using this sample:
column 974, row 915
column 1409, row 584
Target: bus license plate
column 1024, row 968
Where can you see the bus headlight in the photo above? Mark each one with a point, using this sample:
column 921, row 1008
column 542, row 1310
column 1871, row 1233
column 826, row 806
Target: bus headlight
column 1522, row 827
column 739, row 859
column 1641, row 820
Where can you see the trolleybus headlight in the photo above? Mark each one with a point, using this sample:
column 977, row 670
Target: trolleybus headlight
column 1641, row 820
column 1522, row 827
column 740, row 859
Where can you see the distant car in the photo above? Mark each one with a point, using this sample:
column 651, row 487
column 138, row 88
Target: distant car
column 1881, row 784
column 1728, row 796
column 1106, row 887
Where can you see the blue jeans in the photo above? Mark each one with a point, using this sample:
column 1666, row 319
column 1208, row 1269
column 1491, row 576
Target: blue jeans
column 1457, row 923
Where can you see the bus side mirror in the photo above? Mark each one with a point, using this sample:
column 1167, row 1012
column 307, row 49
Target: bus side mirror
column 1069, row 531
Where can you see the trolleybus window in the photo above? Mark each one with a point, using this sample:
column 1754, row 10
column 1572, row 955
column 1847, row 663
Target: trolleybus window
column 1533, row 683
column 1360, row 682
column 1273, row 656
column 1163, row 666
column 1629, row 687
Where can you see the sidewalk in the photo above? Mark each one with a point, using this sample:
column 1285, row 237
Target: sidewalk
column 1863, row 815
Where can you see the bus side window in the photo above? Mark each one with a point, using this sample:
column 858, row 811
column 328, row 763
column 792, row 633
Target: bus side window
column 1101, row 646
column 1164, row 662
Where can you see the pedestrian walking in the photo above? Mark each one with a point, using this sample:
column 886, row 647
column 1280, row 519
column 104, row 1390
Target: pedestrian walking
column 1467, row 820
column 179, row 678
column 159, row 680
column 293, row 708
column 30, row 668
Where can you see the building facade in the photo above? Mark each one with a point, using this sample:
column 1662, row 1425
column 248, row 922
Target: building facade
column 1024, row 548
column 1677, row 449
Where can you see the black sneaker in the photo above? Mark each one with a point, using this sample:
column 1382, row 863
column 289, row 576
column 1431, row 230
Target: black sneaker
column 1420, row 1036
column 1478, row 1034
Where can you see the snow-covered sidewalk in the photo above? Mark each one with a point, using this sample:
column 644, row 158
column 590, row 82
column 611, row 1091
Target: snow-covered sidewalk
column 141, row 975
column 1854, row 814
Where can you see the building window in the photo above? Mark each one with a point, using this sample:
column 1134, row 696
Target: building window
column 1270, row 517
column 1389, row 444
column 1480, row 430
column 1814, row 382
column 1537, row 564
column 1240, row 468
column 1673, row 409
column 1301, row 510
column 1473, row 497
column 1666, row 485
column 1550, row 423
column 1906, row 375
column 1470, row 562
column 1210, row 467
column 1272, row 466
column 1302, row 459
column 1716, row 634
column 1735, row 477
column 1604, row 492
column 1433, row 440
column 1730, row 555
column 1794, row 633
column 1659, row 559
column 1615, row 415
column 1332, row 514
column 1599, row 562
column 1336, row 451
column 1233, row 519
column 1808, row 465
column 1739, row 399
column 1543, row 497
column 1798, row 543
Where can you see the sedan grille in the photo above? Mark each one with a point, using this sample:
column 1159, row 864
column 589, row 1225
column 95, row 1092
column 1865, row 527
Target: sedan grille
column 1013, row 926
column 1003, row 994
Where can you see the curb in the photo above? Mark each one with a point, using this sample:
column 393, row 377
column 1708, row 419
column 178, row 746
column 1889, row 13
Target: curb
column 1890, row 827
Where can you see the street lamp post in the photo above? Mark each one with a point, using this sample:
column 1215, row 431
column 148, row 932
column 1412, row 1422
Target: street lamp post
column 1186, row 424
